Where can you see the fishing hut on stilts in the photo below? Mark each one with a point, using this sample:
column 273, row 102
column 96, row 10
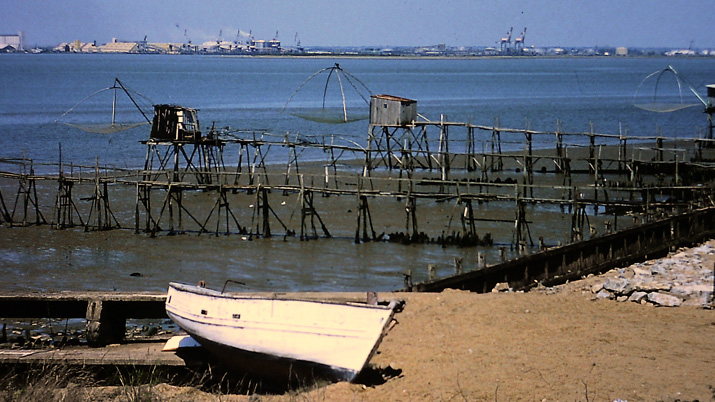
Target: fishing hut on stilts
column 178, row 158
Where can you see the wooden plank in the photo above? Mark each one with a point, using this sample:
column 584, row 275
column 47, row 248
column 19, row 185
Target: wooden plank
column 130, row 354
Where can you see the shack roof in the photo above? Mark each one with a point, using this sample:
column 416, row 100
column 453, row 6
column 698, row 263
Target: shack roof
column 393, row 98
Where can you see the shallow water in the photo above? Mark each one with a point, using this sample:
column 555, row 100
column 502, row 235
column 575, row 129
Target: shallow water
column 248, row 93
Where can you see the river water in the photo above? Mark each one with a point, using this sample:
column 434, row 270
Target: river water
column 246, row 93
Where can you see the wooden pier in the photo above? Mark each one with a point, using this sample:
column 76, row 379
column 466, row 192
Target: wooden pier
column 615, row 172
column 134, row 355
column 106, row 313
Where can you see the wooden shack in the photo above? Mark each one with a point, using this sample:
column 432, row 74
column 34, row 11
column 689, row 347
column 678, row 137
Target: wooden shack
column 388, row 110
column 175, row 123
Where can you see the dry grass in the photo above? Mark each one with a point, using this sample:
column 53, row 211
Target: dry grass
column 43, row 383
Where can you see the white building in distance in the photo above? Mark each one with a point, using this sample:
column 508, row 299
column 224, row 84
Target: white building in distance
column 17, row 42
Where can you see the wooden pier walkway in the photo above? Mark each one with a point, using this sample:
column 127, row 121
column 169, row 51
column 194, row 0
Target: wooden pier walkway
column 106, row 313
column 134, row 354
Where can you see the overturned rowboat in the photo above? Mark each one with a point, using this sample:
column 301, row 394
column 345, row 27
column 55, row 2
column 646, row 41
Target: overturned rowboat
column 281, row 338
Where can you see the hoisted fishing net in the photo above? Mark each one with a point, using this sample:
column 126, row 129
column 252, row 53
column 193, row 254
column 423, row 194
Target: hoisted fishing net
column 105, row 128
column 663, row 102
column 341, row 98
column 86, row 114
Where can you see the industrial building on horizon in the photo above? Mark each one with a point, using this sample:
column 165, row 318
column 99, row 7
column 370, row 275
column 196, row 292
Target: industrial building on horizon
column 12, row 43
column 506, row 46
column 251, row 46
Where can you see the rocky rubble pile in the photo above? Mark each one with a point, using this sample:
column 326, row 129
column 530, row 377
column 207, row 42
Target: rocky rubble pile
column 684, row 278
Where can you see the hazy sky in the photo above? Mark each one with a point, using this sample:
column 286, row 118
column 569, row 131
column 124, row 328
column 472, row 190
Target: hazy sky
column 567, row 23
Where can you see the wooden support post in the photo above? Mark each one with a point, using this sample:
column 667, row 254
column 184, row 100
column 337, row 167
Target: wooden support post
column 143, row 199
column 529, row 164
column 4, row 213
column 591, row 149
column 367, row 166
column 408, row 279
column 622, row 149
column 293, row 160
column 579, row 221
column 170, row 199
column 105, row 325
column 262, row 202
column 175, row 176
column 366, row 219
column 496, row 147
column 443, row 153
column 559, row 147
column 566, row 183
column 306, row 200
column 104, row 218
column 470, row 157
column 431, row 272
column 469, row 227
column 308, row 211
column 65, row 206
column 28, row 191
column 411, row 216
column 425, row 142
column 521, row 226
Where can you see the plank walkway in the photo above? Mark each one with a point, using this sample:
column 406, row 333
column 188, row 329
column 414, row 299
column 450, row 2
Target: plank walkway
column 128, row 354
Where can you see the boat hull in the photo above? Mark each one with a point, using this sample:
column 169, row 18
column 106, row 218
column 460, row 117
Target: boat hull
column 281, row 338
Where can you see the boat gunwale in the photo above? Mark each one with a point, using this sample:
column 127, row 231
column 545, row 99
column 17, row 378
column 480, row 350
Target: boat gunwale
column 183, row 287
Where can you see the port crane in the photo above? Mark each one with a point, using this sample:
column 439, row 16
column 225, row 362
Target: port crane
column 519, row 42
column 506, row 41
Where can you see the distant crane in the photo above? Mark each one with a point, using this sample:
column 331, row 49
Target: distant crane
column 297, row 42
column 506, row 41
column 519, row 42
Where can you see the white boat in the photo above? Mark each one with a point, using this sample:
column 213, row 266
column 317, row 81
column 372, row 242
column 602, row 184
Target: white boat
column 281, row 337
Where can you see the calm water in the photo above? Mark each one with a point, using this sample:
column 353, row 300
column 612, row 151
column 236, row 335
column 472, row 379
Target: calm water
column 249, row 93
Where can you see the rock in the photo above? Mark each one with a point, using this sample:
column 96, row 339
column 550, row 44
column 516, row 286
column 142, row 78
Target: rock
column 694, row 290
column 641, row 272
column 604, row 294
column 664, row 300
column 652, row 286
column 637, row 296
column 501, row 287
column 658, row 270
column 596, row 287
column 697, row 301
column 622, row 298
column 618, row 286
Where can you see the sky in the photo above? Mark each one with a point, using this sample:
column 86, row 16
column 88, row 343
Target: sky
column 383, row 23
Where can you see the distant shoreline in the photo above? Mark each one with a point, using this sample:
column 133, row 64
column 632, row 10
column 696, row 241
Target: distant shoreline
column 376, row 56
